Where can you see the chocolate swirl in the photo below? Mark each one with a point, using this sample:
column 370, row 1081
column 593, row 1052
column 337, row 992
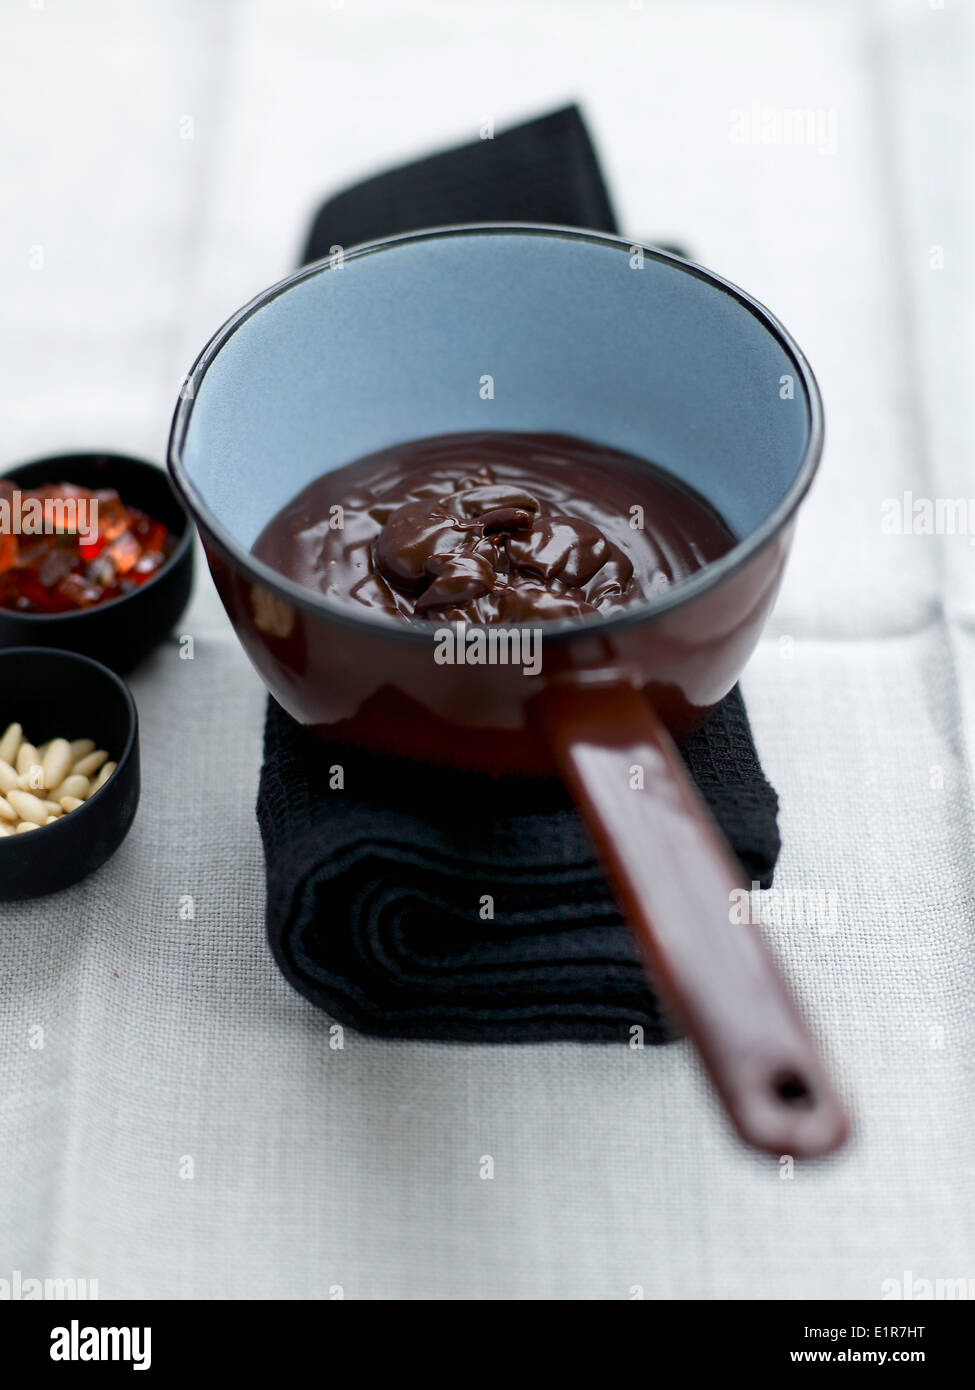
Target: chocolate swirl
column 494, row 527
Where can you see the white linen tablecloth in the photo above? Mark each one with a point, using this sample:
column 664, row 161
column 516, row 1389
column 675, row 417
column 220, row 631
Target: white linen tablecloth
column 160, row 162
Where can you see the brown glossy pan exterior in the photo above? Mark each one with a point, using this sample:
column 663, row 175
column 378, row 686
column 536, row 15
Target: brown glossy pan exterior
column 366, row 685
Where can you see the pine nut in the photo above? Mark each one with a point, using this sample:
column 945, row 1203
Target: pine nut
column 57, row 762
column 40, row 785
column 28, row 807
column 26, row 756
column 10, row 743
column 103, row 776
column 75, row 785
column 90, row 763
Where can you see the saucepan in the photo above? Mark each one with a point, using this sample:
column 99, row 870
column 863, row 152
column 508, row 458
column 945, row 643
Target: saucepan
column 539, row 329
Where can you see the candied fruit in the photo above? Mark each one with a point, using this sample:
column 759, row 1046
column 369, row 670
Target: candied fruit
column 65, row 547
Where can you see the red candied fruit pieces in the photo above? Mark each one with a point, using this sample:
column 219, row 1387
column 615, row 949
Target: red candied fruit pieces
column 8, row 542
column 63, row 569
column 113, row 515
column 23, row 590
column 77, row 592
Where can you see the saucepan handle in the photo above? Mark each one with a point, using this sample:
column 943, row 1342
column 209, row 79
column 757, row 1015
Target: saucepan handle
column 674, row 876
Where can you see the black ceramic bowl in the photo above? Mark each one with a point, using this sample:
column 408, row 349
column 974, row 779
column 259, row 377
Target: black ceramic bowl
column 123, row 631
column 61, row 694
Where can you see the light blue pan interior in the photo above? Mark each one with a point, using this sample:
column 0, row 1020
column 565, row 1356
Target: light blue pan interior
column 565, row 330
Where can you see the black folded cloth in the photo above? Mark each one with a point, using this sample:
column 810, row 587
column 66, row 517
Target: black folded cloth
column 543, row 171
column 377, row 889
column 387, row 908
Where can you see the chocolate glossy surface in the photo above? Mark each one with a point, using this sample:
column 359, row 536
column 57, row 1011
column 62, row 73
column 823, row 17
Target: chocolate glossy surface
column 494, row 527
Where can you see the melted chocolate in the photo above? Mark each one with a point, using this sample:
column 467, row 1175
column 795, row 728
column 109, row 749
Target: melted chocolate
column 494, row 527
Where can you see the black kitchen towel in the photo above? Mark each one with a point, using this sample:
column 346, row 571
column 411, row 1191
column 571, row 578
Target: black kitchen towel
column 378, row 893
column 419, row 902
column 543, row 171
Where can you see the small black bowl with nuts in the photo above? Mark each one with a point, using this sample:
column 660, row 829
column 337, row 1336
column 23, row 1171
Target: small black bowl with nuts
column 69, row 768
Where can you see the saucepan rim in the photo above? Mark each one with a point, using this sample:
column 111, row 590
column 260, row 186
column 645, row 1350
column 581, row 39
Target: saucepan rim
column 645, row 610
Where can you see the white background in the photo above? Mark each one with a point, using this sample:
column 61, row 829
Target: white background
column 123, row 245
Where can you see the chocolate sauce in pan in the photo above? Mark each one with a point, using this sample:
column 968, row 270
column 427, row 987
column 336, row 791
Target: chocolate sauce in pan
column 494, row 527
